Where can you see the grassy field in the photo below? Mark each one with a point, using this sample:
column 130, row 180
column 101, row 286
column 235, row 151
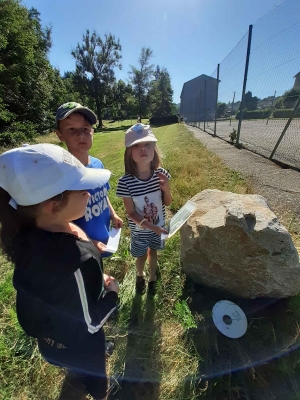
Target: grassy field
column 167, row 347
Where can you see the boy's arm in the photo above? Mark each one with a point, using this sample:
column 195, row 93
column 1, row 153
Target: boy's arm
column 115, row 219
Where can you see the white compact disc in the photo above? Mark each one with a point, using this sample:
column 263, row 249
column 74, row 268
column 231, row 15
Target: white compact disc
column 229, row 319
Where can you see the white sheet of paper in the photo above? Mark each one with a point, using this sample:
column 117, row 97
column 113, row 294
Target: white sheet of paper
column 179, row 219
column 113, row 241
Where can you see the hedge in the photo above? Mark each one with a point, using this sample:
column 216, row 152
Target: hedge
column 285, row 113
column 171, row 119
column 17, row 133
column 256, row 114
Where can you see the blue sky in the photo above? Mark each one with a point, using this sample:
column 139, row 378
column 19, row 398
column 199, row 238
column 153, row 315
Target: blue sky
column 188, row 37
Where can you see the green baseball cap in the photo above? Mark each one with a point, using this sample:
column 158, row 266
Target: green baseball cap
column 68, row 108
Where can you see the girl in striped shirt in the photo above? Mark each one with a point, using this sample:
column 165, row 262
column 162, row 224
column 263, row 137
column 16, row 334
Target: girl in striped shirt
column 145, row 191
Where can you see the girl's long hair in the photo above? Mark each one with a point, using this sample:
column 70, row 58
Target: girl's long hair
column 130, row 165
column 14, row 222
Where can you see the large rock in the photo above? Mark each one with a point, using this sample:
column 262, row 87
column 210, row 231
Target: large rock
column 236, row 243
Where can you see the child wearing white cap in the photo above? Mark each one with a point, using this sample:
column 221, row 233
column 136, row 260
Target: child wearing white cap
column 58, row 270
column 145, row 191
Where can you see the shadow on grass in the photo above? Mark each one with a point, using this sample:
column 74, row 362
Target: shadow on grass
column 160, row 125
column 141, row 380
column 72, row 389
column 112, row 129
column 261, row 361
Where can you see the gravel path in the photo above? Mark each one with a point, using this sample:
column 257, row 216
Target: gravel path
column 281, row 187
column 261, row 138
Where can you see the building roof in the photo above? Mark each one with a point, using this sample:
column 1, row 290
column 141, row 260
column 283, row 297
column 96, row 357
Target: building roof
column 297, row 75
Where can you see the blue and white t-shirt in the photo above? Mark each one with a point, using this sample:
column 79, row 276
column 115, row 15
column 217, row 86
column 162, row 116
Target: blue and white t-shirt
column 96, row 221
column 146, row 196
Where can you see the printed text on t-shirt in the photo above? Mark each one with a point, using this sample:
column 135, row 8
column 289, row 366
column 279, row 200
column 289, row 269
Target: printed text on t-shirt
column 97, row 204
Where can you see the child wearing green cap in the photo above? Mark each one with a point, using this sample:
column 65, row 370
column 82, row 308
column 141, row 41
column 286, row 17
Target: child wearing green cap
column 74, row 126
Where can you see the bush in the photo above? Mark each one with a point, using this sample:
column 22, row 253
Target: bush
column 285, row 113
column 17, row 133
column 171, row 119
column 9, row 139
column 255, row 114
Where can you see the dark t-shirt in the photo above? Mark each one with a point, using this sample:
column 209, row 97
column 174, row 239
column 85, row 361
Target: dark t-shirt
column 59, row 283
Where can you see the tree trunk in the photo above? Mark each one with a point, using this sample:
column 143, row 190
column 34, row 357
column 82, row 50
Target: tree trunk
column 140, row 106
column 99, row 112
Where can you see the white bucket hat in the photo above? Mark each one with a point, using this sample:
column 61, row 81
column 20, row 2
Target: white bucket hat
column 139, row 133
column 36, row 173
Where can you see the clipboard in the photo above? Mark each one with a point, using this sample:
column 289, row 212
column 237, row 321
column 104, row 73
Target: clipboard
column 113, row 240
column 179, row 219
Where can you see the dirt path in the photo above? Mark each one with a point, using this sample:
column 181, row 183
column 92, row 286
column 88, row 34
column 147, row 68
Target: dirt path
column 280, row 187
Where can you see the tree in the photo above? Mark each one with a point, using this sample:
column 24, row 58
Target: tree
column 24, row 68
column 175, row 109
column 72, row 87
column 161, row 93
column 119, row 102
column 221, row 108
column 96, row 60
column 250, row 102
column 140, row 79
column 288, row 100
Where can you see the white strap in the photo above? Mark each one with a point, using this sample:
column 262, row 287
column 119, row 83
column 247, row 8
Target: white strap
column 13, row 203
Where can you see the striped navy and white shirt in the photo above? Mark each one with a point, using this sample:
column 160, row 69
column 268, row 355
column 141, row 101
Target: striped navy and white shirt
column 147, row 197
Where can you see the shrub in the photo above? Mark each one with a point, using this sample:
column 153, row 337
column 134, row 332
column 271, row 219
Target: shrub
column 255, row 114
column 171, row 119
column 9, row 139
column 285, row 113
column 17, row 133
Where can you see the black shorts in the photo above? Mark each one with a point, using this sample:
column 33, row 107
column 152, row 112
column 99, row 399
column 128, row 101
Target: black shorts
column 86, row 359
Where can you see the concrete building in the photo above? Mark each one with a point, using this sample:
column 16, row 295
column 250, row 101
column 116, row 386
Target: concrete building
column 198, row 99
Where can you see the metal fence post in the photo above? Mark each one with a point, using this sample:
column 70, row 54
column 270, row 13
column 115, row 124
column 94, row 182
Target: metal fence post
column 200, row 109
column 285, row 128
column 217, row 94
column 271, row 109
column 204, row 103
column 244, row 84
column 231, row 108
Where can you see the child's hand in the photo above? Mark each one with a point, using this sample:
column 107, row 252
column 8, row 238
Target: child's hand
column 101, row 247
column 107, row 280
column 113, row 285
column 163, row 182
column 117, row 221
column 110, row 284
column 159, row 230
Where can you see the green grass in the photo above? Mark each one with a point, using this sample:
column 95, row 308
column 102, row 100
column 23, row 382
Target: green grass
column 167, row 343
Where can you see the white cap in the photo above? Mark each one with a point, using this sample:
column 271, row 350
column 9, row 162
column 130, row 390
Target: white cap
column 36, row 173
column 139, row 133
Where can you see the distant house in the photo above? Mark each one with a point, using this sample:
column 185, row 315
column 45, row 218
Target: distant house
column 297, row 81
column 198, row 99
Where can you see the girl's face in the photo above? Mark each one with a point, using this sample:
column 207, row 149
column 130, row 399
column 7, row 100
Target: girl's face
column 76, row 205
column 143, row 153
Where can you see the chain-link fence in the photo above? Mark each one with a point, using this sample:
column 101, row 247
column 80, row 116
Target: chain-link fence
column 258, row 95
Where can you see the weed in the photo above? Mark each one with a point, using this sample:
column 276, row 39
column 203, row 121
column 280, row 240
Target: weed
column 184, row 315
column 233, row 136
